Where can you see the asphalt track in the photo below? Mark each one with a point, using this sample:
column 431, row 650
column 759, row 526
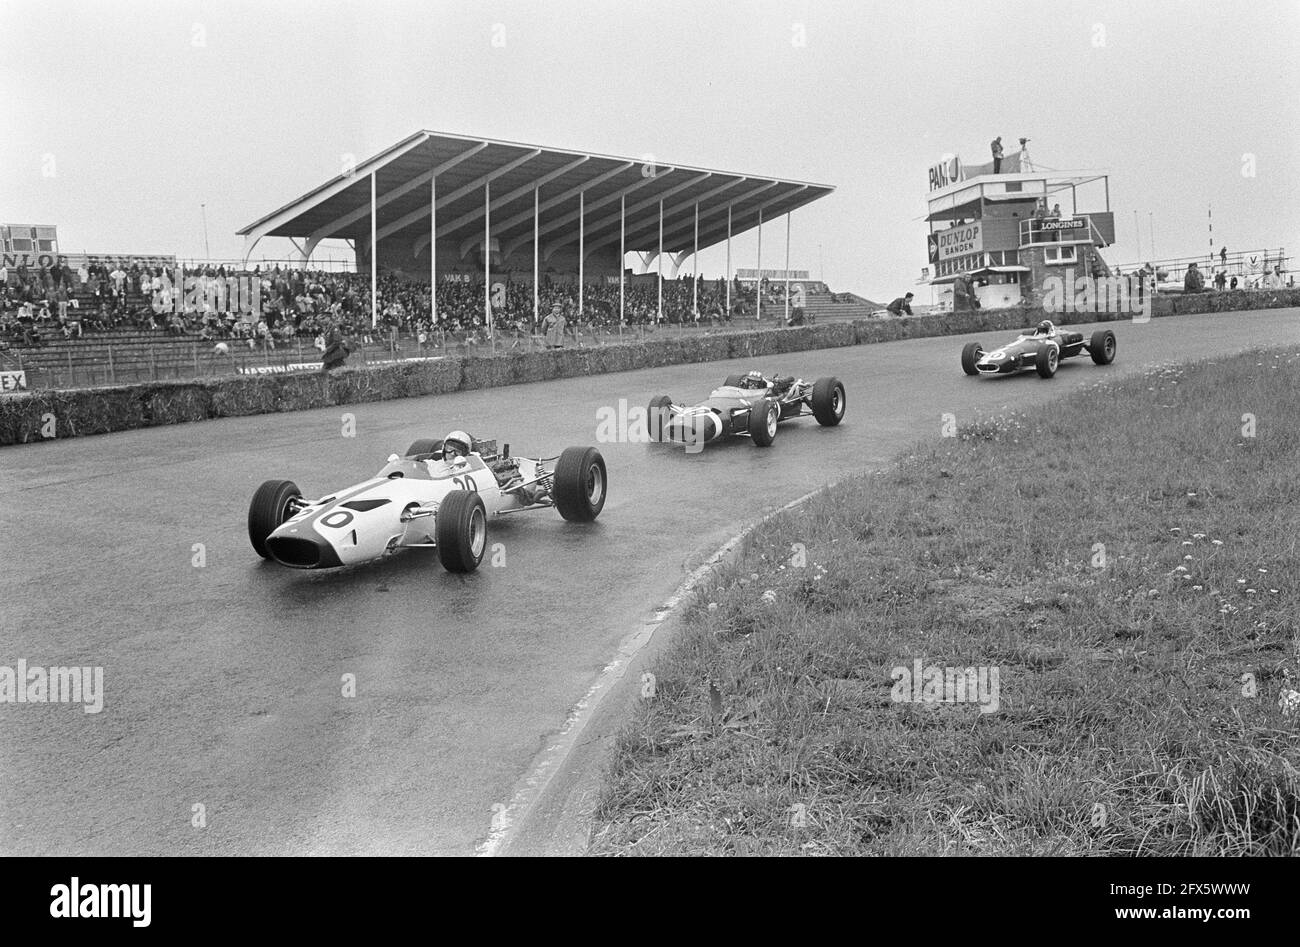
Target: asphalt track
column 223, row 683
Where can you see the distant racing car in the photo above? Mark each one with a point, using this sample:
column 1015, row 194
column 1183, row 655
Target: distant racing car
column 1043, row 349
column 749, row 405
column 439, row 494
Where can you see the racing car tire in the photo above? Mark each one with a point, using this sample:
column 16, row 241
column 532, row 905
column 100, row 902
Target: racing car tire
column 970, row 354
column 733, row 381
column 762, row 423
column 460, row 531
column 268, row 509
column 581, row 484
column 1047, row 360
column 657, row 416
column 426, row 445
column 829, row 401
column 1102, row 347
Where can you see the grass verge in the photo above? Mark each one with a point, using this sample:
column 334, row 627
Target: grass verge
column 1125, row 560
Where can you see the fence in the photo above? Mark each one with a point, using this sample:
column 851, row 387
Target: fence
column 111, row 363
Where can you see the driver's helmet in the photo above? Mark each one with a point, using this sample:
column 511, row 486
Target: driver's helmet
column 753, row 379
column 456, row 444
column 1045, row 328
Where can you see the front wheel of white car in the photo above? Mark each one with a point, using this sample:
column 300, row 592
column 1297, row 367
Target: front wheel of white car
column 274, row 502
column 580, row 484
column 460, row 531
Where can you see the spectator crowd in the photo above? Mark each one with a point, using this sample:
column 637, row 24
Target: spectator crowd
column 322, row 306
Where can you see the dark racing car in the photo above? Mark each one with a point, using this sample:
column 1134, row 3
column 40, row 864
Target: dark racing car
column 747, row 405
column 1043, row 349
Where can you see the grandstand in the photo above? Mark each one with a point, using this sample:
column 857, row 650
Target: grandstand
column 436, row 205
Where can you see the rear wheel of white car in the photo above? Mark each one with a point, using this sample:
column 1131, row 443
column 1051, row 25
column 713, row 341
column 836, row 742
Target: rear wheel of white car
column 426, row 445
column 971, row 354
column 460, row 531
column 580, row 484
column 1102, row 347
column 272, row 504
column 762, row 423
column 828, row 401
column 1048, row 358
column 657, row 416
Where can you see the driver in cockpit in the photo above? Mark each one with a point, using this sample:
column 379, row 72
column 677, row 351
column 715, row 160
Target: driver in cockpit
column 755, row 380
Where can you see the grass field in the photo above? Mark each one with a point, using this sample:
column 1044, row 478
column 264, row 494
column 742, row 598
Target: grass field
column 1125, row 560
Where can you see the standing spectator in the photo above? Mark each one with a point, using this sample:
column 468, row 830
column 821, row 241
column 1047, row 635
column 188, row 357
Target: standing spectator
column 336, row 352
column 996, row 146
column 1220, row 280
column 1193, row 281
column 553, row 326
column 963, row 295
column 1233, row 283
column 1223, row 255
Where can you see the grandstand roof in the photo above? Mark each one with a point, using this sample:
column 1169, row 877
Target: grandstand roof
column 340, row 208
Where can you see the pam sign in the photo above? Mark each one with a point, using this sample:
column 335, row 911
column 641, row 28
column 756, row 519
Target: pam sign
column 947, row 171
column 13, row 381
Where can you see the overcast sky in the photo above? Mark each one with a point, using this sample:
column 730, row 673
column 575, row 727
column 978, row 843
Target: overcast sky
column 120, row 117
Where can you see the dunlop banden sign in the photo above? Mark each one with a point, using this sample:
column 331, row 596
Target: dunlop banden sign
column 34, row 261
column 959, row 241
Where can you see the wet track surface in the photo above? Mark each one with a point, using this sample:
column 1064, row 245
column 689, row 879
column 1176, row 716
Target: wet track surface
column 223, row 683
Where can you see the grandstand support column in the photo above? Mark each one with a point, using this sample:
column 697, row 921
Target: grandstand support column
column 695, row 268
column 374, row 259
column 622, row 254
column 433, row 247
column 659, row 262
column 487, row 255
column 758, row 275
column 582, row 243
column 537, row 288
column 787, row 267
column 728, row 262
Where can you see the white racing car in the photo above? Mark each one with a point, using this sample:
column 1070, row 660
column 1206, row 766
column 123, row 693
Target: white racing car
column 440, row 494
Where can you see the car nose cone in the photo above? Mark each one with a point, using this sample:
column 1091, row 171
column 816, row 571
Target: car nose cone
column 693, row 428
column 292, row 548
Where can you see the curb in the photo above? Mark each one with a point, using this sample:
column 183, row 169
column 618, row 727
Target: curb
column 551, row 810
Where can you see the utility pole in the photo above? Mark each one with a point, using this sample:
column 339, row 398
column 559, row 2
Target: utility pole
column 206, row 252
